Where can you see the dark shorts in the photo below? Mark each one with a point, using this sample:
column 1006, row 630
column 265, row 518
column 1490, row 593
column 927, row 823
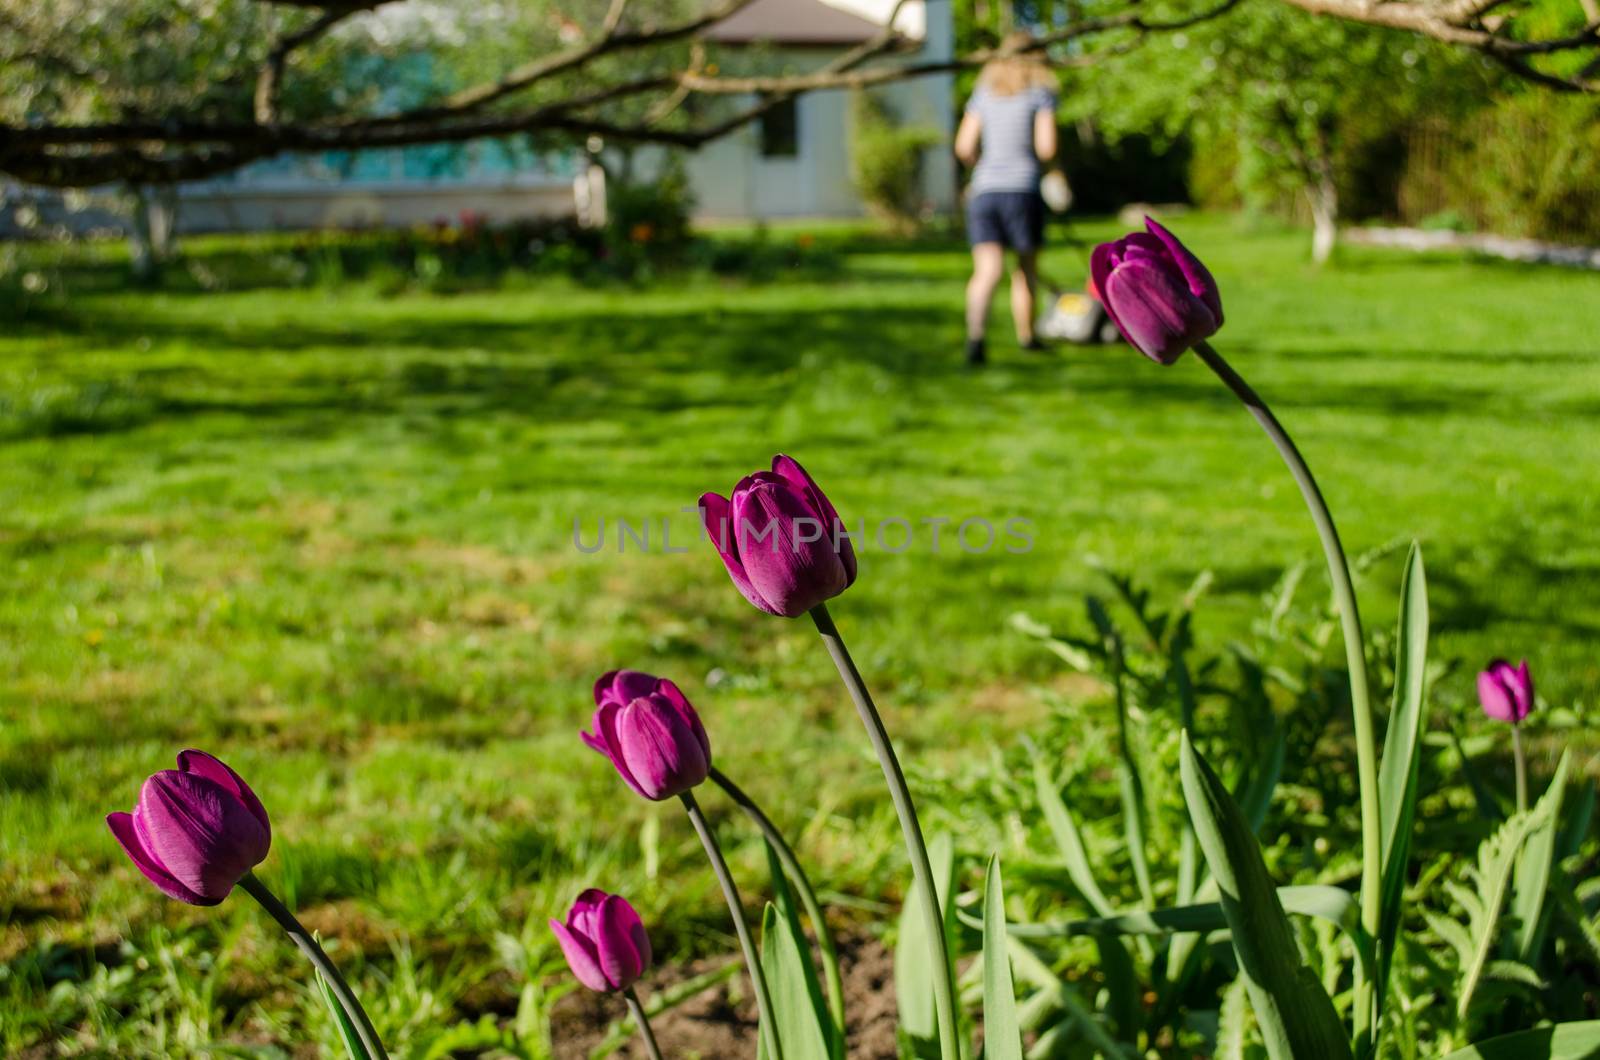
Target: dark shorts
column 1014, row 219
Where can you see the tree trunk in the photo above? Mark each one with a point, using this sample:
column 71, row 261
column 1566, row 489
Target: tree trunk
column 152, row 238
column 1324, row 196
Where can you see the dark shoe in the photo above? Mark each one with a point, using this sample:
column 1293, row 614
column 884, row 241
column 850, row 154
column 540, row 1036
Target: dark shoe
column 1033, row 345
column 976, row 352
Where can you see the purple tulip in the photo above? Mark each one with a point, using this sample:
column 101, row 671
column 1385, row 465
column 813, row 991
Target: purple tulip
column 1160, row 296
column 1506, row 691
column 604, row 941
column 196, row 830
column 781, row 540
column 650, row 732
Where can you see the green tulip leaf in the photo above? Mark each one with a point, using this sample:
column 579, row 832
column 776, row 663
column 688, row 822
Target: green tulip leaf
column 1332, row 904
column 1402, row 756
column 913, row 972
column 1564, row 1041
column 797, row 1006
column 795, row 956
column 1296, row 1017
column 1002, row 1037
column 1530, row 882
column 1067, row 837
column 347, row 1030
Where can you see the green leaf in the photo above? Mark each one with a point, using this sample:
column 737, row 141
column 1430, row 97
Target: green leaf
column 1513, row 972
column 1333, row 904
column 1488, row 805
column 1233, row 1022
column 797, row 1006
column 913, row 972
column 1081, row 1016
column 1067, row 836
column 1002, row 1038
column 1256, row 796
column 1531, row 879
column 1124, row 1002
column 1402, row 754
column 1576, row 827
column 1492, row 878
column 797, row 961
column 1564, row 1041
column 1068, row 652
column 347, row 1030
column 1131, row 789
column 1296, row 1017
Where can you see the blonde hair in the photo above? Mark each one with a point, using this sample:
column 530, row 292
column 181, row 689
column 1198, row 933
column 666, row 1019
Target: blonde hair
column 1014, row 70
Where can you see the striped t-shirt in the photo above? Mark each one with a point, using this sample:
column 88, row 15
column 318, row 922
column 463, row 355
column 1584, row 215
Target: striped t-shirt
column 1006, row 161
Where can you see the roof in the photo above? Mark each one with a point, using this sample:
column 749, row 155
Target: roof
column 808, row 22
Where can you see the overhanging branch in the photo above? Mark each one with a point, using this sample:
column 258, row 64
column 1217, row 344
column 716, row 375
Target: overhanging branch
column 179, row 147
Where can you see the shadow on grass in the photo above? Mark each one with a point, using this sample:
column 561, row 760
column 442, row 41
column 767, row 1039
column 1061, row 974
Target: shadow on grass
column 647, row 361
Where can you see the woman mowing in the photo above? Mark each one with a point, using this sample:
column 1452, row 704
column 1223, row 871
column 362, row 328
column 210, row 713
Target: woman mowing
column 1008, row 131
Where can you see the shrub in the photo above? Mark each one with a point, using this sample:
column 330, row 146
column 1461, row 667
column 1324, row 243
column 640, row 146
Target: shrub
column 886, row 161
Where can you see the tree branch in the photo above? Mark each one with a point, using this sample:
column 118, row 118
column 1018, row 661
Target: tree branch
column 179, row 147
column 270, row 78
column 530, row 73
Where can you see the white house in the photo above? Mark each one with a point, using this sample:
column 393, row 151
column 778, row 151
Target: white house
column 794, row 162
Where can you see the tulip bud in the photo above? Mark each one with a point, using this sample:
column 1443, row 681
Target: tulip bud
column 1161, row 297
column 650, row 732
column 781, row 540
column 1506, row 691
column 196, row 830
column 604, row 941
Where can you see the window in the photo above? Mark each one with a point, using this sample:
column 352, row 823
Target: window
column 780, row 130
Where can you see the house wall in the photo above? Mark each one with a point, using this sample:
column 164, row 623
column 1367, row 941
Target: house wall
column 731, row 180
column 249, row 207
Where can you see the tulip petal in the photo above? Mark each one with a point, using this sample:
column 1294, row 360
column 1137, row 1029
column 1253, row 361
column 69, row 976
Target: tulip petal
column 1103, row 261
column 124, row 831
column 633, row 927
column 605, row 727
column 623, row 687
column 212, row 768
column 200, row 831
column 717, row 515
column 1524, row 688
column 581, row 958
column 1506, row 691
column 793, row 576
column 1495, row 698
column 680, row 702
column 789, row 468
column 1201, row 283
column 660, row 750
column 594, row 743
column 584, row 910
column 1156, row 313
column 614, row 946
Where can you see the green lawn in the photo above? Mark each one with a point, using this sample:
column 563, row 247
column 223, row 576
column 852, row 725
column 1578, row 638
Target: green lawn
column 329, row 536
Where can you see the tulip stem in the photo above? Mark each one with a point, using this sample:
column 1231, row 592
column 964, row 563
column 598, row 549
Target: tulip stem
column 1364, row 1010
column 730, row 891
column 643, row 1023
column 1522, row 767
column 802, row 883
column 900, row 794
column 308, row 946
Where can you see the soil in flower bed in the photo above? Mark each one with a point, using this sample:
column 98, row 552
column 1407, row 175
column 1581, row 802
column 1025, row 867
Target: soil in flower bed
column 720, row 1024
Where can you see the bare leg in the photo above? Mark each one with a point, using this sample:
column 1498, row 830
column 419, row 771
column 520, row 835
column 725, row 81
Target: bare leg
column 988, row 262
column 1023, row 279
